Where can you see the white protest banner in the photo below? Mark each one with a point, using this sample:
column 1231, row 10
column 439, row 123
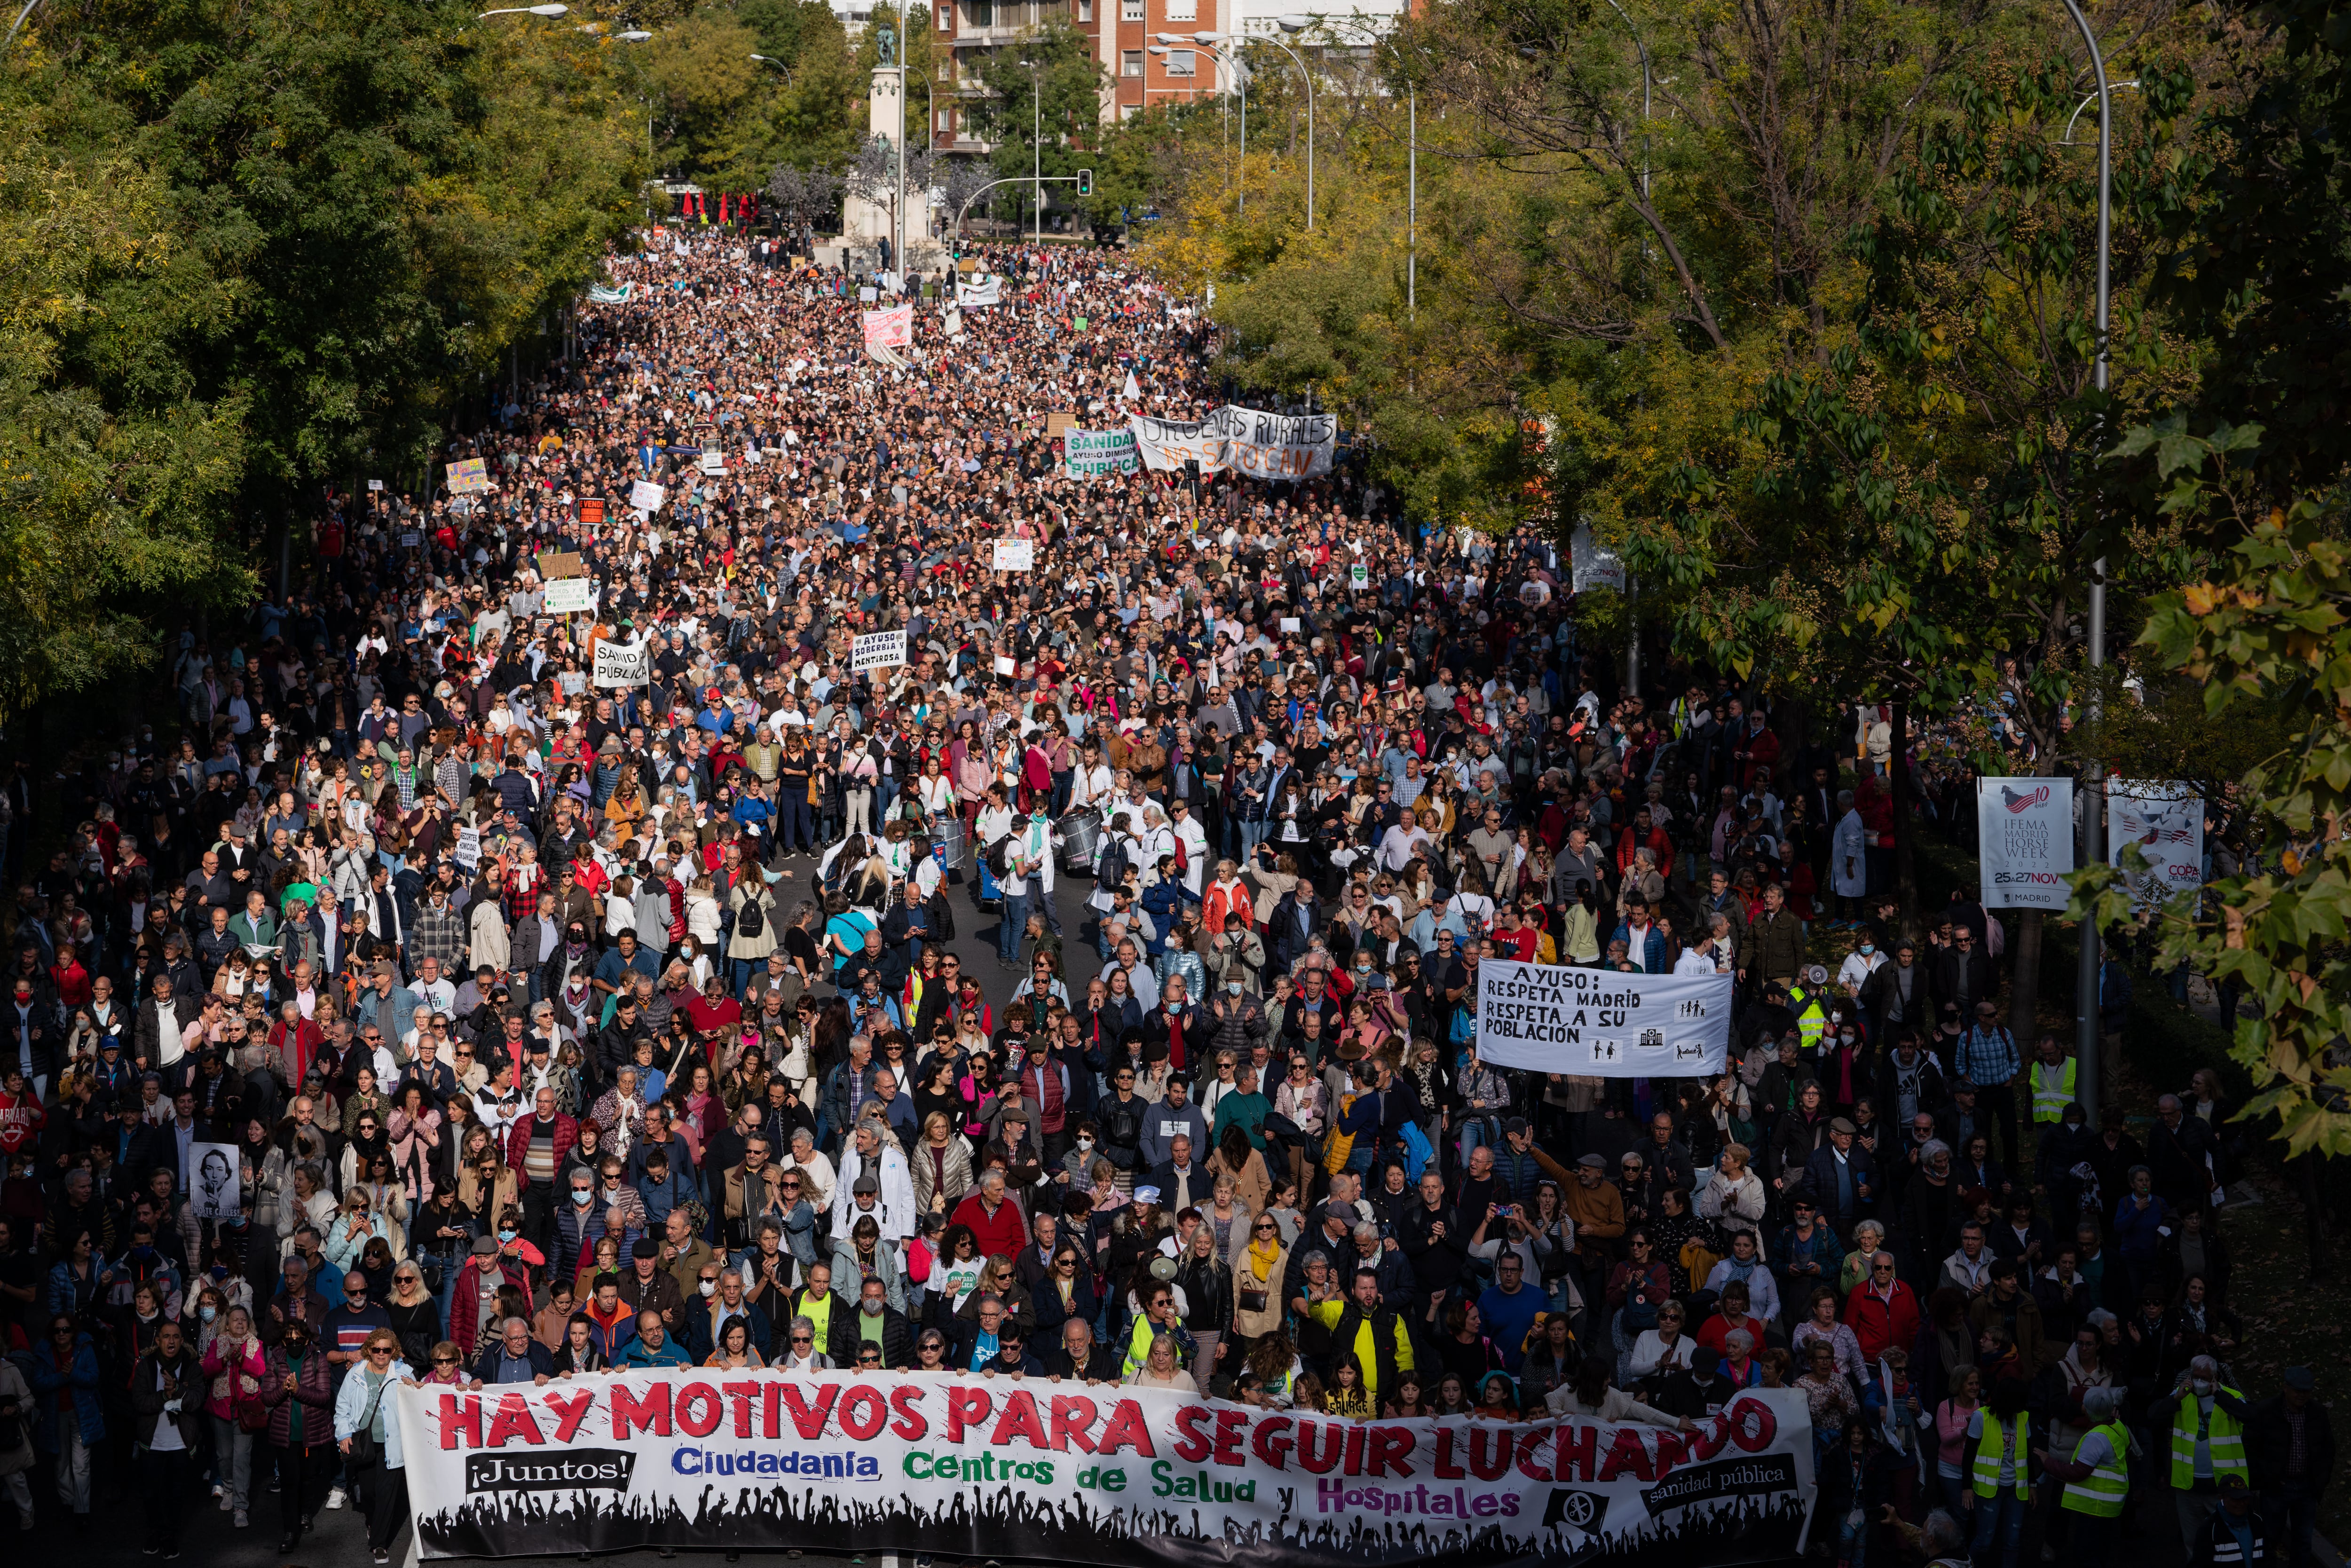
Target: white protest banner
column 1548, row 1018
column 570, row 596
column 1087, row 453
column 1014, row 555
column 620, row 664
column 468, row 852
column 2024, row 832
column 2165, row 819
column 1244, row 440
column 1592, row 564
column 1005, row 666
column 1083, row 1474
column 972, row 295
column 890, row 329
column 647, row 496
column 218, row 1192
column 952, row 323
column 877, row 650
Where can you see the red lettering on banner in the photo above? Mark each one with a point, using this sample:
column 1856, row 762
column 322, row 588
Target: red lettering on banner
column 570, row 1415
column 863, row 1412
column 699, row 1410
column 1626, row 1455
column 1490, row 1451
column 809, row 1422
column 461, row 1423
column 1230, row 1424
column 1354, row 1465
column 1578, row 1448
column 967, row 1407
column 1445, row 1467
column 1318, row 1446
column 1707, row 1438
column 1020, row 1420
column 1530, row 1455
column 1127, row 1429
column 1073, row 1420
column 1391, row 1452
column 910, row 1424
column 771, row 1410
column 514, row 1423
column 1671, row 1450
column 1271, row 1441
column 648, row 1414
column 1192, row 1444
column 740, row 1395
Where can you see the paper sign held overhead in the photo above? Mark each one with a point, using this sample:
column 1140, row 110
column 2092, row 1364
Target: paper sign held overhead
column 470, row 478
column 553, row 563
column 621, row 663
column 1015, row 555
column 570, row 596
column 647, row 496
column 877, row 650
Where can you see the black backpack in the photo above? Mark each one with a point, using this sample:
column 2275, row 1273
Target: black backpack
column 752, row 921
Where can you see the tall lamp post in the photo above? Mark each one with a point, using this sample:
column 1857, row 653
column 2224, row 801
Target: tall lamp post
column 1293, row 25
column 1036, row 145
column 2087, row 1043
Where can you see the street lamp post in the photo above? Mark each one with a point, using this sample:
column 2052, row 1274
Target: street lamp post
column 1036, row 147
column 1293, row 25
column 2087, row 1044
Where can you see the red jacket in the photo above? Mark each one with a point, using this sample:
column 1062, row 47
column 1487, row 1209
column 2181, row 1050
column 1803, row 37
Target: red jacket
column 464, row 1302
column 518, row 1136
column 1006, row 1233
column 1881, row 1321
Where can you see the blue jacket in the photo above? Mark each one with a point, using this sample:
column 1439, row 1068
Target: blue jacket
column 1820, row 1171
column 352, row 1402
column 485, row 1365
column 47, row 1378
column 1652, row 955
column 671, row 1354
column 2138, row 1233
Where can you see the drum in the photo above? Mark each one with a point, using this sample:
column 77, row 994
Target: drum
column 951, row 842
column 1079, row 833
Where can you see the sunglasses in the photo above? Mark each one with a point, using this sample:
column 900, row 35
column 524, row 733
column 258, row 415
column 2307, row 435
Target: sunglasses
column 803, row 1339
column 444, row 1361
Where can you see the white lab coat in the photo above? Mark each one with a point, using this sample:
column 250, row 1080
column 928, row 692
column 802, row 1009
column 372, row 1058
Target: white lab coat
column 897, row 1194
column 1848, row 857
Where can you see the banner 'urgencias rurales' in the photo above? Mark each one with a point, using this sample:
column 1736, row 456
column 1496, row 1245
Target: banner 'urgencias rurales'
column 1071, row 1472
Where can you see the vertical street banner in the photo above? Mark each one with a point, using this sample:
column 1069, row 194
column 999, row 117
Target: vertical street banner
column 1552, row 1018
column 1087, row 453
column 1084, row 1474
column 1592, row 564
column 890, row 329
column 877, row 650
column 2165, row 817
column 2024, row 833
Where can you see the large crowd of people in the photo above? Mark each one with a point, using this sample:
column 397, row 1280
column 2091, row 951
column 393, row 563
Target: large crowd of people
column 403, row 1001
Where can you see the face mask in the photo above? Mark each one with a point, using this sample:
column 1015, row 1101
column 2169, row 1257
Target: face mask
column 507, row 1235
column 583, row 1198
column 1232, row 988
column 1866, row 949
column 2202, row 1386
column 1085, row 1143
column 1846, row 1036
column 208, row 1314
column 709, row 1287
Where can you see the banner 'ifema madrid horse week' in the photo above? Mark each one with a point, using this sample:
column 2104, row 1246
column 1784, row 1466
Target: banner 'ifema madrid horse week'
column 1074, row 1472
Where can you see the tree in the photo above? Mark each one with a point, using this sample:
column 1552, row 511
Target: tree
column 2269, row 629
column 1046, row 119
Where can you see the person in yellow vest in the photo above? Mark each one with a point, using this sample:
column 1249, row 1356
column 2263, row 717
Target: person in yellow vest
column 1359, row 1323
column 2096, row 1478
column 1157, row 1319
column 2053, row 1082
column 2207, row 1421
column 2002, row 1488
column 1805, row 1001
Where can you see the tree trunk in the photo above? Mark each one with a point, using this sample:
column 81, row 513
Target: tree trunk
column 1905, row 873
column 2024, row 998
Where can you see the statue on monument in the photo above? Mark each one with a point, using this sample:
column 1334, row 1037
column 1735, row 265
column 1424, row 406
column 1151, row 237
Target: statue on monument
column 885, row 41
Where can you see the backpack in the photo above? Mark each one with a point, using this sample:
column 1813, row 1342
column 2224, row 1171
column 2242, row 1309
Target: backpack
column 998, row 856
column 752, row 921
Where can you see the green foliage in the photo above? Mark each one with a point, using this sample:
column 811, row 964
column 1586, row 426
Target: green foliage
column 1043, row 120
column 2271, row 630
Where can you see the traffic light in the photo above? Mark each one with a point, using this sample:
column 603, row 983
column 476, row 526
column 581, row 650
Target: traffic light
column 1085, row 182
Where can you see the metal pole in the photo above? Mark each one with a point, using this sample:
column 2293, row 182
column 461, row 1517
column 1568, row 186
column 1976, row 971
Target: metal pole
column 1037, row 152
column 2088, row 1041
column 1632, row 586
column 1306, row 76
column 1412, row 207
column 17, row 24
column 898, row 201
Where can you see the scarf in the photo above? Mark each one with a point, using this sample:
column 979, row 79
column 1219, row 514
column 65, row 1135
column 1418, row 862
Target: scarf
column 1263, row 1255
column 246, row 1384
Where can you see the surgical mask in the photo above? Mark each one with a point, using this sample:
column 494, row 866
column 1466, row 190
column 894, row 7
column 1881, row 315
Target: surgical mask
column 507, row 1234
column 1232, row 988
column 1867, row 948
column 583, row 1197
column 208, row 1314
column 2202, row 1386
